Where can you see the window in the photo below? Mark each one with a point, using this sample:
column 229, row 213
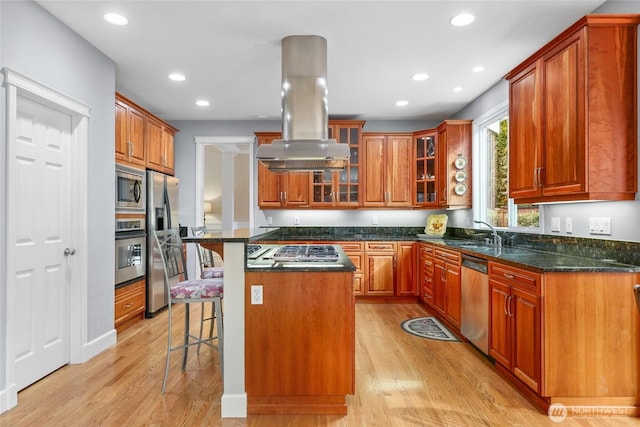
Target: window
column 492, row 203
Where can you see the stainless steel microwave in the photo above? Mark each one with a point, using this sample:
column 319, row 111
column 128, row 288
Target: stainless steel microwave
column 130, row 189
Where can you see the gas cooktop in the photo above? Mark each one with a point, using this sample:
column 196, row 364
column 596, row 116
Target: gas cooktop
column 306, row 253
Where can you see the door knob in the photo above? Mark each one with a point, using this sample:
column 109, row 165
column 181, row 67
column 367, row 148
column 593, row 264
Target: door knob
column 68, row 251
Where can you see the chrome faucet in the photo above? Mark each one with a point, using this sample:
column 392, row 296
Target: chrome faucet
column 497, row 240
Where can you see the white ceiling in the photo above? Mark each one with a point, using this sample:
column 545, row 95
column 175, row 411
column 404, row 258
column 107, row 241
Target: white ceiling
column 230, row 51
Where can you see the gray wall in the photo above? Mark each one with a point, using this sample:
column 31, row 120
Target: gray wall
column 41, row 47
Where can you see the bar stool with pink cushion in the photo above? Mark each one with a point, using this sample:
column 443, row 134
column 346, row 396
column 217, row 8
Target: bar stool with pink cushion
column 182, row 290
column 208, row 270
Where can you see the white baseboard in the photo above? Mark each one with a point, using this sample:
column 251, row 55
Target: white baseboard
column 97, row 346
column 234, row 405
column 8, row 398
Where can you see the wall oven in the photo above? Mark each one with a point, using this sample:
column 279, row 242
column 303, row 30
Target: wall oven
column 130, row 249
column 130, row 189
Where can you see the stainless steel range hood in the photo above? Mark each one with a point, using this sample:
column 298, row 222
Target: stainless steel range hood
column 305, row 145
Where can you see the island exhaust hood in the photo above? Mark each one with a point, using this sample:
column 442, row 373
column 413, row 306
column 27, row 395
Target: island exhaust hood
column 305, row 145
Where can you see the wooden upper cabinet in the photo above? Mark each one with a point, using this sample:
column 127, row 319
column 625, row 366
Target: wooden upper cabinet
column 142, row 139
column 454, row 163
column 573, row 125
column 281, row 189
column 159, row 144
column 387, row 167
column 341, row 188
column 442, row 165
column 525, row 160
column 424, row 154
column 130, row 123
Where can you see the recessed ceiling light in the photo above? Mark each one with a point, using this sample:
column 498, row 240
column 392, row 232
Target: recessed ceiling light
column 116, row 19
column 202, row 103
column 462, row 19
column 420, row 76
column 402, row 103
column 477, row 69
column 177, row 77
column 457, row 89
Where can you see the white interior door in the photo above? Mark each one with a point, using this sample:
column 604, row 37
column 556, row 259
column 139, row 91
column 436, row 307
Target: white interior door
column 38, row 233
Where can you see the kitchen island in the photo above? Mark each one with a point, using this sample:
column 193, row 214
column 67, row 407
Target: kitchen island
column 297, row 320
column 299, row 329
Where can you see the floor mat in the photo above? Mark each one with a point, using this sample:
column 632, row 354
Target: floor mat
column 428, row 327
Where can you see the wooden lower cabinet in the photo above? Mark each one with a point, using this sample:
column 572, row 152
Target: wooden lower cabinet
column 425, row 273
column 407, row 285
column 446, row 284
column 571, row 338
column 300, row 343
column 380, row 269
column 355, row 252
column 515, row 322
column 129, row 304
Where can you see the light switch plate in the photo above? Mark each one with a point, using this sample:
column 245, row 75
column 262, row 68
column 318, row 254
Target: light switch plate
column 256, row 294
column 555, row 223
column 600, row 225
column 568, row 225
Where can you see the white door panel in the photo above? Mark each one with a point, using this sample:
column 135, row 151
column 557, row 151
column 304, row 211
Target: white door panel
column 39, row 203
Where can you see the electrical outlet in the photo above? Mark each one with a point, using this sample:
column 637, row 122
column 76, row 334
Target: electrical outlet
column 555, row 223
column 269, row 220
column 600, row 225
column 568, row 225
column 256, row 294
column 374, row 220
column 296, row 220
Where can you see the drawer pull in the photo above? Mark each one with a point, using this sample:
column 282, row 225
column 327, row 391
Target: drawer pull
column 509, row 276
column 128, row 305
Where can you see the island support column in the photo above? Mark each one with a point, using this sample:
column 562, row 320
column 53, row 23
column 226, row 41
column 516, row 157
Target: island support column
column 234, row 397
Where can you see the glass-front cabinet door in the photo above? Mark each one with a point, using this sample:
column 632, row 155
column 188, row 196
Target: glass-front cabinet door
column 425, row 193
column 341, row 188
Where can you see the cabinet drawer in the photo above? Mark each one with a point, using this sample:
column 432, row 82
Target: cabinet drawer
column 380, row 246
column 350, row 246
column 357, row 258
column 450, row 256
column 129, row 302
column 513, row 276
column 426, row 251
column 427, row 295
column 427, row 282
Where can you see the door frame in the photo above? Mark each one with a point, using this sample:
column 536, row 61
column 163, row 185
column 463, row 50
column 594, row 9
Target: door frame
column 18, row 85
column 224, row 143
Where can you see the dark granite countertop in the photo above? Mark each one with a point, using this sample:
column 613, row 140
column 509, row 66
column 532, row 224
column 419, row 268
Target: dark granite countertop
column 532, row 259
column 525, row 251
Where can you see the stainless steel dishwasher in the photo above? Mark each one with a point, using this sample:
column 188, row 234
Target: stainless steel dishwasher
column 474, row 316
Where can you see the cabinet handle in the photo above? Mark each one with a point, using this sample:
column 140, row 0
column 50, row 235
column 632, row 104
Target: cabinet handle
column 285, row 196
column 509, row 305
column 508, row 276
column 444, row 192
column 504, row 305
column 129, row 149
column 128, row 305
column 427, row 296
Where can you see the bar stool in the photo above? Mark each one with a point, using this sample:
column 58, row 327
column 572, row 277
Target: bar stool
column 208, row 270
column 181, row 290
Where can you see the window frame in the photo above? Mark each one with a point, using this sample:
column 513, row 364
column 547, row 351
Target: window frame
column 481, row 178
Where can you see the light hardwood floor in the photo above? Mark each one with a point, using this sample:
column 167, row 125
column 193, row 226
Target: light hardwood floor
column 401, row 380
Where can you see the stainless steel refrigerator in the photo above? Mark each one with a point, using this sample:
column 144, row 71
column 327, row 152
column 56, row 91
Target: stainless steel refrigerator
column 162, row 214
